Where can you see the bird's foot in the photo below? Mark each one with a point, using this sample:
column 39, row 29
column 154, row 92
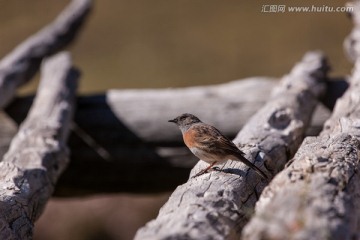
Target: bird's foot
column 204, row 170
column 217, row 169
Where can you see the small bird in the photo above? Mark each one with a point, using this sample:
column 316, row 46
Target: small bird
column 207, row 143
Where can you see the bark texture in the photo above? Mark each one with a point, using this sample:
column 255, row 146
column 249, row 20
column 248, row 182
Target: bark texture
column 20, row 65
column 37, row 154
column 318, row 196
column 218, row 204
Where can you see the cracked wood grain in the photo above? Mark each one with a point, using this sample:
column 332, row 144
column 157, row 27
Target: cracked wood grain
column 218, row 204
column 20, row 65
column 318, row 196
column 38, row 153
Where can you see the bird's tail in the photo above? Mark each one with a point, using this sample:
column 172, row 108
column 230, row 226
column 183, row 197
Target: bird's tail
column 251, row 165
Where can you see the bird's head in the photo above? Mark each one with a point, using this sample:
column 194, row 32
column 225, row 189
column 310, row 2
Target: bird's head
column 186, row 120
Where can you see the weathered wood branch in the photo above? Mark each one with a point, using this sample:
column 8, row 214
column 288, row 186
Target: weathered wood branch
column 38, row 153
column 23, row 62
column 217, row 205
column 318, row 195
column 131, row 125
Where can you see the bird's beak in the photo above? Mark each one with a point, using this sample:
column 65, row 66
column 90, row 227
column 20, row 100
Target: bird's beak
column 173, row 120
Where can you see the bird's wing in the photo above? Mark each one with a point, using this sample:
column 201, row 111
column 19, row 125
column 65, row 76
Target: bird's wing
column 210, row 138
column 227, row 144
column 213, row 139
column 204, row 134
column 229, row 147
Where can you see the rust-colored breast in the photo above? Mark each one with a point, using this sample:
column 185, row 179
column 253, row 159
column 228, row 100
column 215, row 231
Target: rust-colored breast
column 189, row 138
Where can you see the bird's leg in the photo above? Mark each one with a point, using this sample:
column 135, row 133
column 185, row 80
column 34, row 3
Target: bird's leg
column 204, row 170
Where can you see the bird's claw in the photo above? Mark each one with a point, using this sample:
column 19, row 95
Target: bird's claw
column 206, row 171
column 216, row 169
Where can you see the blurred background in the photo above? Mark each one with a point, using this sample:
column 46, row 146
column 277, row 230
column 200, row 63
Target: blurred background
column 168, row 43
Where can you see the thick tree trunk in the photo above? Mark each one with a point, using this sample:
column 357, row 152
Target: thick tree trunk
column 217, row 205
column 37, row 154
column 318, row 195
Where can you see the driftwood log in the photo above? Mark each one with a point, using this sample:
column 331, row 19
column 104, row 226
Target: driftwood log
column 217, row 205
column 38, row 153
column 120, row 130
column 20, row 65
column 318, row 196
